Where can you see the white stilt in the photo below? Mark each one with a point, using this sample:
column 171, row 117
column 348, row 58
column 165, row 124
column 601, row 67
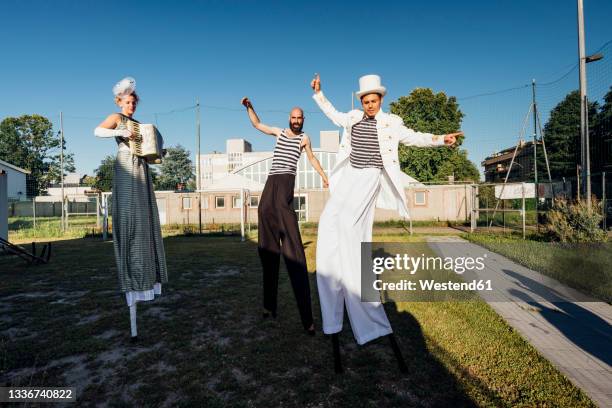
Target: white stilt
column 133, row 320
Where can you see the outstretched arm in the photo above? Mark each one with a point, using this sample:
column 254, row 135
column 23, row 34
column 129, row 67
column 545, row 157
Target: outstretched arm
column 339, row 118
column 314, row 161
column 269, row 130
column 412, row 138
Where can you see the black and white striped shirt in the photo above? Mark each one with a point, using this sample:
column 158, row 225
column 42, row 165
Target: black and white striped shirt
column 286, row 154
column 365, row 151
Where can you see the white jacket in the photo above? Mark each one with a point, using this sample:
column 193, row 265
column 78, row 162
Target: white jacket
column 391, row 132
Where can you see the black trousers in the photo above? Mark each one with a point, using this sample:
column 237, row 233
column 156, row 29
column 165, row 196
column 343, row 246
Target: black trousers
column 279, row 233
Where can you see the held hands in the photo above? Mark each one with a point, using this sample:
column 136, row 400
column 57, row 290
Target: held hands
column 246, row 102
column 451, row 139
column 315, row 84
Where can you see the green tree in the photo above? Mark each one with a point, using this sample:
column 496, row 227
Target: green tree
column 426, row 111
column 605, row 113
column 562, row 137
column 104, row 174
column 176, row 168
column 29, row 142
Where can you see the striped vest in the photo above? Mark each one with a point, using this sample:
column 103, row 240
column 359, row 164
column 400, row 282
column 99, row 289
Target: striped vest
column 286, row 154
column 365, row 151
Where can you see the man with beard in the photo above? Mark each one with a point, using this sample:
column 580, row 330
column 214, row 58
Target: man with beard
column 277, row 222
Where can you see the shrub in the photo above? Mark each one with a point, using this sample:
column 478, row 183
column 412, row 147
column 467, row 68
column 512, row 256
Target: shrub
column 572, row 221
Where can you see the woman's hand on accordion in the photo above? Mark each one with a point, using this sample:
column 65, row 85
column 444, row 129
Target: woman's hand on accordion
column 128, row 135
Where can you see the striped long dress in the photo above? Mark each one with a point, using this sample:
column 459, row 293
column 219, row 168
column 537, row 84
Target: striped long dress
column 137, row 240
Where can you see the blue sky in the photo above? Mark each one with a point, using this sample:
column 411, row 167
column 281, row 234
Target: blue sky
column 67, row 55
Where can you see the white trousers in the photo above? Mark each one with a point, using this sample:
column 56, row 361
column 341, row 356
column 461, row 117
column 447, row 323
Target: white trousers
column 346, row 221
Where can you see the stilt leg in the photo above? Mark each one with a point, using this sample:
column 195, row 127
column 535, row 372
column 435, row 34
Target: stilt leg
column 133, row 326
column 398, row 354
column 336, row 347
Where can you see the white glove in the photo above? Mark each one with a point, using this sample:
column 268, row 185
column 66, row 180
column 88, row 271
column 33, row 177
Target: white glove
column 104, row 132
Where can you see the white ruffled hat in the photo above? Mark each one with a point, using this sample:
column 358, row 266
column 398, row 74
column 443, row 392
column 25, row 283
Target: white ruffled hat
column 126, row 86
column 369, row 84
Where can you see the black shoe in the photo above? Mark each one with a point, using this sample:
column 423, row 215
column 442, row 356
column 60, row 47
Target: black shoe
column 134, row 339
column 311, row 332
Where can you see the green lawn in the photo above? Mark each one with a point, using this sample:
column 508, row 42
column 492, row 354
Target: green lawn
column 203, row 342
column 586, row 267
column 24, row 230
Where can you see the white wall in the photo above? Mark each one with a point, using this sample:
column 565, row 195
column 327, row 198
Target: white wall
column 3, row 206
column 16, row 183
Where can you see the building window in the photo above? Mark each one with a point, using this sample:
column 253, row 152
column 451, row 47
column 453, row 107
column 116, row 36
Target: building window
column 220, row 202
column 186, row 203
column 236, row 202
column 254, row 201
column 234, row 161
column 420, row 198
column 300, row 207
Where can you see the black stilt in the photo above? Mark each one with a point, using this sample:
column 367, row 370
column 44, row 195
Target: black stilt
column 337, row 361
column 267, row 314
column 398, row 354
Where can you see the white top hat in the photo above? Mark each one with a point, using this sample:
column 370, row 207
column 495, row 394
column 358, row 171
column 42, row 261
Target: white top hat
column 370, row 84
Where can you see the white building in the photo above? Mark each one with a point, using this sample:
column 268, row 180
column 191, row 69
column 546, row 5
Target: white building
column 15, row 181
column 240, row 159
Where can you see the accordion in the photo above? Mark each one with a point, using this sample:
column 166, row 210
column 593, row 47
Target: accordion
column 148, row 142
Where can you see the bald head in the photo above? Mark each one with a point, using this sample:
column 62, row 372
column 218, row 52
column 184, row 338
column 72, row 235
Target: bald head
column 296, row 119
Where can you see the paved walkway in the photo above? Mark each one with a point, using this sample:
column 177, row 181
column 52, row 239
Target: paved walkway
column 573, row 331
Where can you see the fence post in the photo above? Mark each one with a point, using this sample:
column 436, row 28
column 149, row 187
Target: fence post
column 578, row 181
column 523, row 207
column 98, row 210
column 474, row 208
column 242, row 203
column 104, row 217
column 34, row 210
column 603, row 200
column 504, row 213
column 487, row 211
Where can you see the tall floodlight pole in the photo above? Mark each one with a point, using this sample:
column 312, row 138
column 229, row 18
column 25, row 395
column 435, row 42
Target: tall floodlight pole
column 584, row 153
column 535, row 148
column 62, row 168
column 198, row 170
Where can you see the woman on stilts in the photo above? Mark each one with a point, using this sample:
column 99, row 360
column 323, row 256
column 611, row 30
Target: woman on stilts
column 137, row 240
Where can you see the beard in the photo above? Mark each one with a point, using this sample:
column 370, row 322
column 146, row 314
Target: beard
column 296, row 127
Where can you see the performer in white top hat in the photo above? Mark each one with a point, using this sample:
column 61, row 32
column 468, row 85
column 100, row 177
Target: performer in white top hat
column 367, row 175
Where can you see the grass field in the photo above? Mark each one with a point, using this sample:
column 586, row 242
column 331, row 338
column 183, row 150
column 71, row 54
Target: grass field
column 203, row 343
column 586, row 267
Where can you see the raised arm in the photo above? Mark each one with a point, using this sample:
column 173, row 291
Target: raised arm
column 269, row 130
column 339, row 118
column 314, row 161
